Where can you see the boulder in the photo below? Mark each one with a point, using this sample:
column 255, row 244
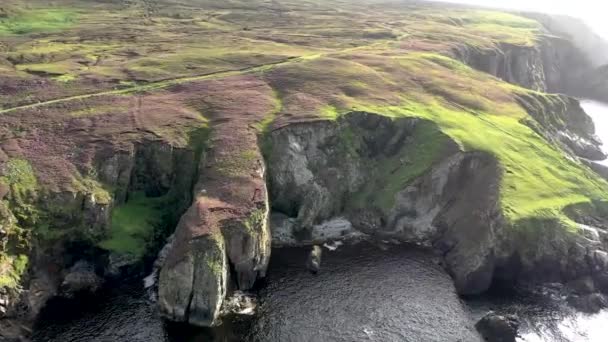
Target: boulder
column 498, row 328
column 193, row 280
column 81, row 277
column 313, row 263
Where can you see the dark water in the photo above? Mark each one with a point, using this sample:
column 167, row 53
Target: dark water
column 362, row 293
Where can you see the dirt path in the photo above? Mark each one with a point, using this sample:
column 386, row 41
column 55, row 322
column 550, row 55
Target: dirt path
column 179, row 80
column 159, row 84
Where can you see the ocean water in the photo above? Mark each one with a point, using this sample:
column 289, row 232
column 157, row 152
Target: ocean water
column 363, row 293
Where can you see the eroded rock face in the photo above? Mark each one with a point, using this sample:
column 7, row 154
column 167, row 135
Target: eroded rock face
column 226, row 229
column 74, row 263
column 193, row 280
column 561, row 120
column 522, row 65
column 459, row 203
column 563, row 61
column 313, row 263
column 452, row 204
column 81, row 277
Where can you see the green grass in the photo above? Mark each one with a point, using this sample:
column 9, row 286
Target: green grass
column 236, row 165
column 133, row 225
column 255, row 220
column 37, row 21
column 474, row 109
column 539, row 181
column 19, row 175
column 393, row 174
column 11, row 269
column 93, row 187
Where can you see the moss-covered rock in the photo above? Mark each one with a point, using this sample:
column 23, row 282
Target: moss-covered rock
column 193, row 280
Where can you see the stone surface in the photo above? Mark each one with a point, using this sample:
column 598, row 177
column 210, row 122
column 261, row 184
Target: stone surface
column 225, row 230
column 582, row 286
column 498, row 328
column 284, row 231
column 81, row 277
column 313, row 263
column 589, row 303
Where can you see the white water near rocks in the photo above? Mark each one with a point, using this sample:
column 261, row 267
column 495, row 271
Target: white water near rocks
column 555, row 321
column 598, row 111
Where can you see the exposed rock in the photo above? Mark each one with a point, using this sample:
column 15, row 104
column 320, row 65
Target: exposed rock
column 313, row 263
column 589, row 303
column 590, row 233
column 81, row 278
column 239, row 303
column 498, row 328
column 118, row 264
column 193, row 280
column 453, row 205
column 318, row 168
column 470, row 220
column 522, row 65
column 582, row 286
column 226, row 225
column 583, row 148
column 562, row 120
column 600, row 169
column 584, row 38
column 82, row 215
column 284, row 231
column 13, row 331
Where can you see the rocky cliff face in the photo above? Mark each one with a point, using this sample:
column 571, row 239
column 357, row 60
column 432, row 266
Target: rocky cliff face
column 443, row 198
column 561, row 120
column 69, row 255
column 116, row 162
column 225, row 232
column 553, row 64
column 522, row 65
column 438, row 197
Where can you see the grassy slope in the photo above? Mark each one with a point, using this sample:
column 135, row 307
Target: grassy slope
column 133, row 224
column 147, row 63
column 476, row 110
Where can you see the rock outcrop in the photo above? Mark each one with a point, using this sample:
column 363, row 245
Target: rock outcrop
column 63, row 256
column 522, row 65
column 81, row 277
column 555, row 63
column 313, row 263
column 498, row 328
column 225, row 231
column 450, row 201
column 561, row 120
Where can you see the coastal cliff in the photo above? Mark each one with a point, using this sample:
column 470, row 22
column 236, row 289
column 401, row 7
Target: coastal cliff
column 436, row 128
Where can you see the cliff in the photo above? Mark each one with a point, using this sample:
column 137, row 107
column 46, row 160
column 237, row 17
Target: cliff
column 232, row 128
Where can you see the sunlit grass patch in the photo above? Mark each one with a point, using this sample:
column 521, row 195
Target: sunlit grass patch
column 37, row 21
column 133, row 225
column 538, row 180
column 476, row 110
column 11, row 269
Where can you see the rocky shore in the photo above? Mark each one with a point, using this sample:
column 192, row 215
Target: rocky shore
column 465, row 149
